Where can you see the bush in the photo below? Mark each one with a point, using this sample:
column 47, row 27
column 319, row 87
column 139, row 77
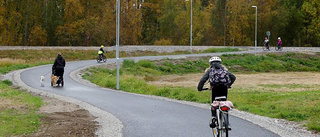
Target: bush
column 7, row 82
column 163, row 42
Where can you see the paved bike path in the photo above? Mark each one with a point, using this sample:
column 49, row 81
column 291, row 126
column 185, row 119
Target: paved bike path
column 142, row 116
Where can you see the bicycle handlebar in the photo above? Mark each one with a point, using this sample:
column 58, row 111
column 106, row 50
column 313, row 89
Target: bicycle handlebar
column 229, row 87
column 205, row 88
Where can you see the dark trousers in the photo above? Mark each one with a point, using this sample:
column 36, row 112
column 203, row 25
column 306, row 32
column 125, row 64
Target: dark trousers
column 218, row 91
column 100, row 56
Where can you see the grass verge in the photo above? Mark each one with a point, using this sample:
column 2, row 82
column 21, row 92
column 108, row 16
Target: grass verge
column 18, row 114
column 298, row 106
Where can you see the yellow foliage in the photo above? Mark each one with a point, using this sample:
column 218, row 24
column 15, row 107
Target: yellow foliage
column 163, row 42
column 38, row 36
column 74, row 9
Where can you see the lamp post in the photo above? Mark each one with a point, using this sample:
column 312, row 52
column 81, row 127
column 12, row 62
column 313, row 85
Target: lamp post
column 191, row 27
column 225, row 24
column 255, row 39
column 117, row 42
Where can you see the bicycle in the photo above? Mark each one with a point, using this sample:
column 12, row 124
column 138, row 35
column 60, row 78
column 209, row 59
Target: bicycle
column 278, row 48
column 266, row 47
column 101, row 58
column 222, row 107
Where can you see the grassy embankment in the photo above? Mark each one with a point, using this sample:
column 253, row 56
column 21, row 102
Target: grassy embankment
column 18, row 109
column 298, row 103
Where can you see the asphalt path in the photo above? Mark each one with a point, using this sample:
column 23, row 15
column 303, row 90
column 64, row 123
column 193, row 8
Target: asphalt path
column 142, row 116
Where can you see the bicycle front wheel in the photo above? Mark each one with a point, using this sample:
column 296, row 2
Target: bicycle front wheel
column 98, row 59
column 104, row 58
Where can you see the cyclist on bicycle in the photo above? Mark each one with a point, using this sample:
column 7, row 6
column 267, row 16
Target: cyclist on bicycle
column 266, row 43
column 217, row 89
column 101, row 51
column 279, row 43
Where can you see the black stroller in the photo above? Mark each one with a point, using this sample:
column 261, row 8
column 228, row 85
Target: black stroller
column 57, row 77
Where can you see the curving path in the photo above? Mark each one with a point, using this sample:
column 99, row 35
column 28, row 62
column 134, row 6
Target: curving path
column 142, row 116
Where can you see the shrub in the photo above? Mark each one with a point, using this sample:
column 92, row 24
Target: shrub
column 163, row 42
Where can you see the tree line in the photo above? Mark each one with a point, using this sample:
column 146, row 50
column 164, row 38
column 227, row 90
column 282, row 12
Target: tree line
column 158, row 22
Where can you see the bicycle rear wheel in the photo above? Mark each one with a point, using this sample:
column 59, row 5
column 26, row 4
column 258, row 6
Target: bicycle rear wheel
column 224, row 125
column 264, row 48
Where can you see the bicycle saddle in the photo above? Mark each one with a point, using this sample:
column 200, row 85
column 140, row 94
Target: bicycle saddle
column 221, row 98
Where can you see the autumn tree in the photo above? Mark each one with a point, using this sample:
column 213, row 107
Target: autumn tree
column 291, row 32
column 11, row 23
column 38, row 36
column 151, row 11
column 131, row 22
column 53, row 17
column 311, row 20
column 240, row 22
column 215, row 22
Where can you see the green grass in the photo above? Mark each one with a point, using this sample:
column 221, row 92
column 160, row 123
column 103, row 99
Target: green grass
column 11, row 60
column 18, row 117
column 215, row 50
column 136, row 84
column 302, row 105
column 293, row 106
column 272, row 62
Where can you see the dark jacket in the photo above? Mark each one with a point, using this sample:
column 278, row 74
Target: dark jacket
column 59, row 62
column 206, row 77
column 101, row 49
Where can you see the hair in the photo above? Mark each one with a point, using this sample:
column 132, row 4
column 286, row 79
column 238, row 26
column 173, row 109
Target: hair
column 213, row 64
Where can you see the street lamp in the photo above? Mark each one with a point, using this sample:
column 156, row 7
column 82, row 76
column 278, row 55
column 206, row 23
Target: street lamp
column 190, row 25
column 117, row 42
column 255, row 39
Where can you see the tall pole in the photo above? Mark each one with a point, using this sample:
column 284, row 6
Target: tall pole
column 225, row 24
column 255, row 39
column 117, row 41
column 191, row 27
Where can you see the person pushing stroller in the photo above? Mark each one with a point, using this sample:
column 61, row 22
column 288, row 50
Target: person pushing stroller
column 58, row 66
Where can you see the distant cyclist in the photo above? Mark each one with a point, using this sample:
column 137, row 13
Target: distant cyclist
column 279, row 43
column 101, row 51
column 266, row 43
column 218, row 88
